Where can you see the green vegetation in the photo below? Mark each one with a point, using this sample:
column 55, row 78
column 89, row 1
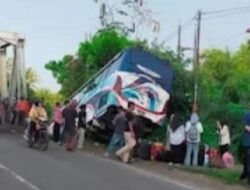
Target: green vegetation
column 72, row 71
column 228, row 176
column 49, row 98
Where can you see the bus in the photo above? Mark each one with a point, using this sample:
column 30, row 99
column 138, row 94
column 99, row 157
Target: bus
column 134, row 75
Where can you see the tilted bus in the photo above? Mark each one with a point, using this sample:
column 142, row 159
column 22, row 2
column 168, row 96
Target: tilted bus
column 133, row 75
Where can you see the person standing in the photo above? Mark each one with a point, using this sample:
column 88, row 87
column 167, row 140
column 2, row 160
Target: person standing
column 62, row 130
column 82, row 124
column 13, row 111
column 168, row 146
column 6, row 104
column 131, row 107
column 22, row 109
column 2, row 113
column 117, row 140
column 177, row 139
column 193, row 136
column 129, row 136
column 246, row 144
column 224, row 137
column 37, row 112
column 57, row 118
column 70, row 115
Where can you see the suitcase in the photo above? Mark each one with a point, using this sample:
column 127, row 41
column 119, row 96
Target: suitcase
column 142, row 150
column 163, row 156
column 215, row 160
column 145, row 151
column 135, row 152
column 155, row 149
column 201, row 155
column 213, row 153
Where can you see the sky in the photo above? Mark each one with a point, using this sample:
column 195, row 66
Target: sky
column 54, row 28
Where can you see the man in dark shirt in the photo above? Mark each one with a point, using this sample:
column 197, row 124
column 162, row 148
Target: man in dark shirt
column 63, row 131
column 246, row 144
column 120, row 122
column 81, row 126
column 69, row 116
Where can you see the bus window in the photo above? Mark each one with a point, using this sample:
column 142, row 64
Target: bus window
column 103, row 100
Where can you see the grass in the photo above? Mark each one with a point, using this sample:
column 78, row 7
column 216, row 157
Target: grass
column 226, row 175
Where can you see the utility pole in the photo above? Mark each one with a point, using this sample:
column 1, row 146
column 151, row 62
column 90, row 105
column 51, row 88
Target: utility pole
column 197, row 57
column 179, row 42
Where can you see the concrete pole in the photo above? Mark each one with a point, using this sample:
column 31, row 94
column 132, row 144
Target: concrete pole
column 197, row 59
column 179, row 42
column 22, row 72
column 13, row 80
column 18, row 72
column 3, row 74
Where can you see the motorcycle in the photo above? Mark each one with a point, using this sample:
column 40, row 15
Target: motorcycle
column 39, row 138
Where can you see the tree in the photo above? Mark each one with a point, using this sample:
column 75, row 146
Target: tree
column 31, row 78
column 48, row 98
column 224, row 90
column 31, row 81
column 73, row 71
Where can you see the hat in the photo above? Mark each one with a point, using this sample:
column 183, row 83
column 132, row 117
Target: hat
column 194, row 118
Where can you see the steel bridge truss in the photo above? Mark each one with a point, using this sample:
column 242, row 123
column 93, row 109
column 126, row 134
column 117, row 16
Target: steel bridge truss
column 12, row 85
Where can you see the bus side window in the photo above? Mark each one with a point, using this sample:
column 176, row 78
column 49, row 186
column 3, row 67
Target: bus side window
column 103, row 100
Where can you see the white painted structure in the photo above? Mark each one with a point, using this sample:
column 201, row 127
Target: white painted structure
column 13, row 86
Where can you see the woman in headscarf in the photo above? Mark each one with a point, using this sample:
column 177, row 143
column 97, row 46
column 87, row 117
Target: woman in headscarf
column 177, row 139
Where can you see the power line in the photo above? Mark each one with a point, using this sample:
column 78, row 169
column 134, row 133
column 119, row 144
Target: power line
column 230, row 39
column 225, row 10
column 210, row 15
column 183, row 27
column 226, row 14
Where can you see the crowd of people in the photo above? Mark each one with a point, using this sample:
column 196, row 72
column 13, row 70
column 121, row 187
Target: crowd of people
column 14, row 112
column 70, row 125
column 123, row 139
column 184, row 139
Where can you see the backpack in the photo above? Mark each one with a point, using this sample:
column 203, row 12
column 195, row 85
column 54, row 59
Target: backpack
column 193, row 134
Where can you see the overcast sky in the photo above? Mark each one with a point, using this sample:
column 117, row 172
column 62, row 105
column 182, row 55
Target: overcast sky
column 54, row 28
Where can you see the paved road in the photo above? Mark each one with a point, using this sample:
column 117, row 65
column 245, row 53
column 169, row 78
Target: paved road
column 22, row 168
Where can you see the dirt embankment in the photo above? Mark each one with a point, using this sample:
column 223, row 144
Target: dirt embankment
column 173, row 173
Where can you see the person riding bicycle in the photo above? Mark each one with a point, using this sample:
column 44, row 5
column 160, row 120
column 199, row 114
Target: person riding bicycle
column 36, row 115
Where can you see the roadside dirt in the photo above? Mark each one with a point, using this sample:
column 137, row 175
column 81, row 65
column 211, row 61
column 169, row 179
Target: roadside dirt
column 198, row 181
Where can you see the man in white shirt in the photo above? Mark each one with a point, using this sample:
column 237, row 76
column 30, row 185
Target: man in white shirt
column 193, row 136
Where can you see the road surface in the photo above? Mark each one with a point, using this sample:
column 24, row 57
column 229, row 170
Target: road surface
column 22, row 168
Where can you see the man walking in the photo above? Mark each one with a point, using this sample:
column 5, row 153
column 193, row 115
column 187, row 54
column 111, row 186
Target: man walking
column 69, row 115
column 82, row 124
column 246, row 144
column 62, row 130
column 117, row 139
column 129, row 136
